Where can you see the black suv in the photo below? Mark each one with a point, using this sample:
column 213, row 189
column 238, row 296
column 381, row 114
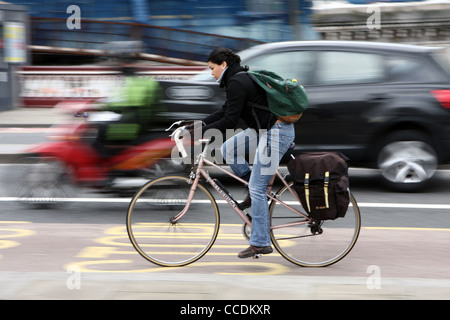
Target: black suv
column 384, row 106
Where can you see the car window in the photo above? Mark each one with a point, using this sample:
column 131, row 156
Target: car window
column 443, row 60
column 340, row 67
column 410, row 69
column 292, row 64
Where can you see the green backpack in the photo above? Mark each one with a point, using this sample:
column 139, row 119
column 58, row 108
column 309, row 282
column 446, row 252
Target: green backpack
column 287, row 99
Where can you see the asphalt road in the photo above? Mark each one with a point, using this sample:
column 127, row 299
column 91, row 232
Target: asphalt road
column 403, row 236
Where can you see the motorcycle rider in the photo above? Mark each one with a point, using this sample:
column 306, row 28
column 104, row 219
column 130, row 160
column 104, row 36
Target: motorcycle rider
column 138, row 103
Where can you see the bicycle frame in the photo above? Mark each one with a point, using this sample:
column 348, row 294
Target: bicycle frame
column 201, row 160
column 168, row 247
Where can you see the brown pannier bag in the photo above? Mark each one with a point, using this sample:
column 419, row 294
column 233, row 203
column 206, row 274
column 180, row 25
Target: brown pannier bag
column 321, row 182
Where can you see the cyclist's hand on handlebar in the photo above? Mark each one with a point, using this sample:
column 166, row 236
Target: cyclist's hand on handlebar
column 185, row 129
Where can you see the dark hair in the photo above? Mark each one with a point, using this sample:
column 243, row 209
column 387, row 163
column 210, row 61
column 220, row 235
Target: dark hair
column 220, row 55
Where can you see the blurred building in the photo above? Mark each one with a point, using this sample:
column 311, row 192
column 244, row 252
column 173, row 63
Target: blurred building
column 187, row 29
column 190, row 29
column 410, row 22
column 183, row 32
column 263, row 20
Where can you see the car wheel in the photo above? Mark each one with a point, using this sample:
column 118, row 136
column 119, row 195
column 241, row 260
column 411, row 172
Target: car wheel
column 407, row 160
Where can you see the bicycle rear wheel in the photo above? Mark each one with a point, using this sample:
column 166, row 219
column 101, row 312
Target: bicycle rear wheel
column 153, row 232
column 312, row 245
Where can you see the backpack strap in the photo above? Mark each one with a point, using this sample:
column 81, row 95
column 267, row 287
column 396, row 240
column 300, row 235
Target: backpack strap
column 325, row 188
column 253, row 105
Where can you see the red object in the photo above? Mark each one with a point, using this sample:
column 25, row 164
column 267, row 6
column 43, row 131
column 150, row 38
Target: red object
column 443, row 96
column 83, row 161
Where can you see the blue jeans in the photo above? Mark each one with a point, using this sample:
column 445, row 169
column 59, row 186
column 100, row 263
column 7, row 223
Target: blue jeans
column 266, row 148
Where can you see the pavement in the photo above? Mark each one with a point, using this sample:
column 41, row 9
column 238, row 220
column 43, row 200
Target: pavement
column 30, row 117
column 199, row 287
column 26, row 118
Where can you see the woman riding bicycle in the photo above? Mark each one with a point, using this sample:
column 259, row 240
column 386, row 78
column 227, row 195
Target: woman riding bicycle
column 271, row 138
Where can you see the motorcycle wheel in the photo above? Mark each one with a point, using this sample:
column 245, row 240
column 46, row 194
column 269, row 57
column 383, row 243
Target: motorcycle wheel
column 41, row 182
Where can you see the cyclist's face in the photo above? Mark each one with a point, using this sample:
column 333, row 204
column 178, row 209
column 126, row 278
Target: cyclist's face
column 217, row 69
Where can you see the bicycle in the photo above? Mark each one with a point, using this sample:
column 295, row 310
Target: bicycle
column 174, row 220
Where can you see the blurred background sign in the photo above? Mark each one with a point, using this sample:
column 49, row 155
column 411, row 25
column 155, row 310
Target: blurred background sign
column 45, row 86
column 14, row 39
column 13, row 51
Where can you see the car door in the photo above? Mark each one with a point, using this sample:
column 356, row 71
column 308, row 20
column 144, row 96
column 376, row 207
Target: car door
column 346, row 86
column 342, row 86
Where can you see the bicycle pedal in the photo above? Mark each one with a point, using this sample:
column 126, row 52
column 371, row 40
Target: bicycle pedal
column 257, row 256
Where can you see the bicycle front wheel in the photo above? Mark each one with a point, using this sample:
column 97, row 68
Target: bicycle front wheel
column 152, row 228
column 312, row 245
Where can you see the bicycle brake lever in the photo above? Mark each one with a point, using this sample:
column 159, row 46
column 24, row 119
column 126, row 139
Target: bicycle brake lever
column 176, row 123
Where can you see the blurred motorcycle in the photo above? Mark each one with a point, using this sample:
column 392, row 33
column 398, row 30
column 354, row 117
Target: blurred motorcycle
column 51, row 171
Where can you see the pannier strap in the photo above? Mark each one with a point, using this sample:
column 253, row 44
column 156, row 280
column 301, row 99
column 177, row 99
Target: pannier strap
column 325, row 190
column 307, row 190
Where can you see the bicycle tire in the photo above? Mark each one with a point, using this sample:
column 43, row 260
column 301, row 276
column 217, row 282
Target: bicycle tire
column 152, row 231
column 313, row 245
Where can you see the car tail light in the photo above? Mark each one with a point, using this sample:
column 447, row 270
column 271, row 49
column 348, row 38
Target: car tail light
column 443, row 96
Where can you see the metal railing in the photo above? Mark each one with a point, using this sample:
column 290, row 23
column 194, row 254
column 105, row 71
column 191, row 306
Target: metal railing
column 417, row 32
column 53, row 33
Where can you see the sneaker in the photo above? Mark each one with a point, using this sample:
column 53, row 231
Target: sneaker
column 252, row 251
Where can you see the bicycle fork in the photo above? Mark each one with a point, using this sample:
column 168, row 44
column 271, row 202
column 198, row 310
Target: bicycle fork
column 194, row 183
column 194, row 180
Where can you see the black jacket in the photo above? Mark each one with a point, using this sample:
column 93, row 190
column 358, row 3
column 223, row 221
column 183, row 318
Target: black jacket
column 240, row 90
